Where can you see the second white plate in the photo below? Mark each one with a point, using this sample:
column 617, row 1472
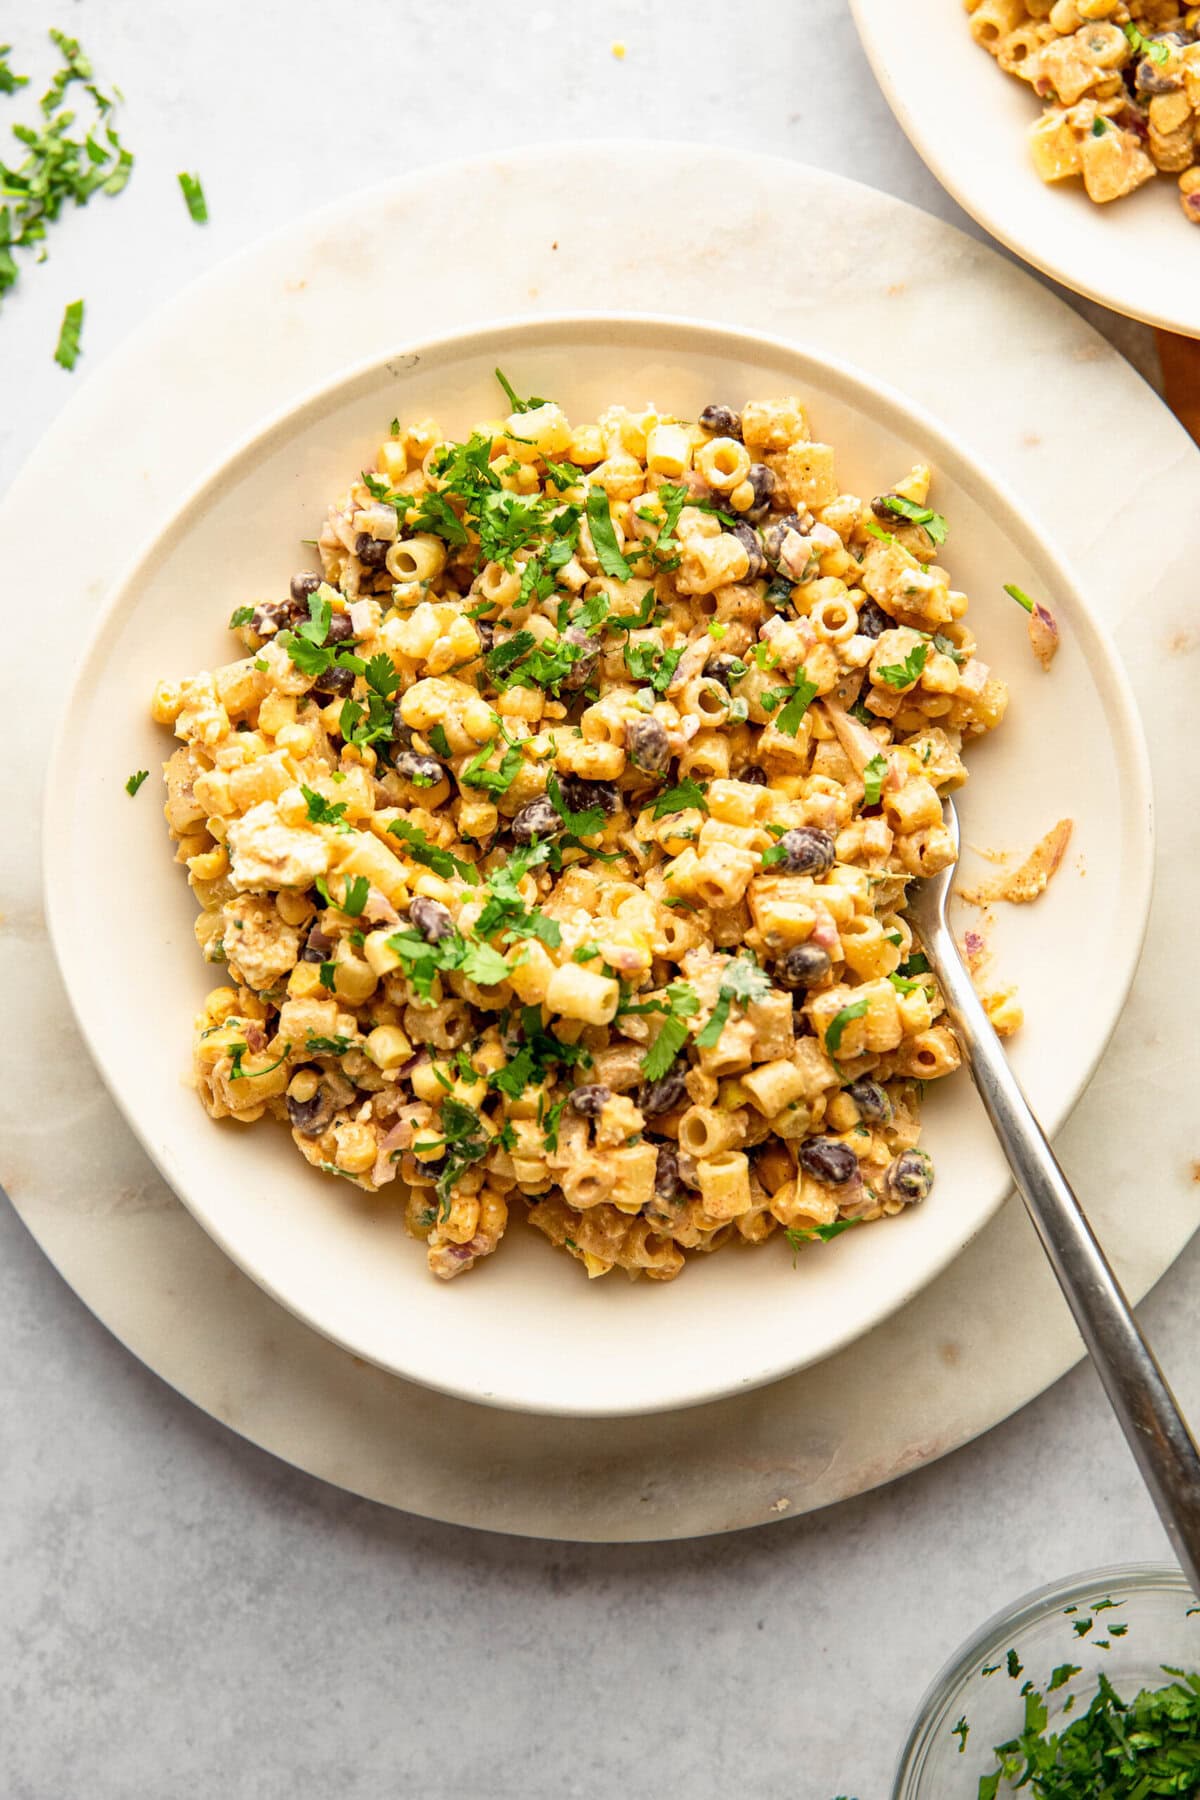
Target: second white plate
column 526, row 1332
column 969, row 122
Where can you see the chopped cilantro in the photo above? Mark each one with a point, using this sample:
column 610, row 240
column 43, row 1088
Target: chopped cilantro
column 839, row 1022
column 327, row 975
column 237, row 1073
column 322, row 811
column 441, row 743
column 579, row 824
column 799, row 1235
column 604, row 536
column 477, row 773
column 326, row 1046
column 801, row 694
column 933, row 522
column 682, row 1004
column 67, row 352
column 688, row 793
column 652, row 663
column 354, row 898
column 874, row 776
column 743, row 981
column 242, row 616
column 518, row 405
column 193, row 194
column 442, row 862
column 1143, row 46
column 135, row 781
column 903, row 675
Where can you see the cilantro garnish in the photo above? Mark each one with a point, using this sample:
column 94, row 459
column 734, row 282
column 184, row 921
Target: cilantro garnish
column 375, row 723
column 550, row 1124
column 681, row 1004
column 354, row 899
column 322, row 811
column 1139, row 1748
column 961, row 1731
column 742, row 981
column 903, row 675
column 9, row 81
column 1019, row 595
column 604, row 536
column 510, row 651
column 57, row 168
column 135, row 781
column 874, row 776
column 934, row 523
column 801, row 694
column 1099, row 125
column 442, row 862
column 538, row 1052
column 327, row 975
column 477, row 774
column 436, row 515
column 652, row 663
column 237, row 1073
column 678, row 799
column 904, row 985
column 1144, row 46
column 67, row 352
column 579, row 824
column 242, row 616
column 839, row 1022
column 916, row 964
column 193, row 194
column 326, row 1046
column 464, row 1140
column 482, row 963
column 441, row 743
column 517, row 404
column 947, row 647
column 799, row 1235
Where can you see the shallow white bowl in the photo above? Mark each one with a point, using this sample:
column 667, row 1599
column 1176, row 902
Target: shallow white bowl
column 526, row 1330
column 969, row 122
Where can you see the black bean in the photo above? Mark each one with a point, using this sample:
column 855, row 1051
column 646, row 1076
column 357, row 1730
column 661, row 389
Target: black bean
column 646, row 742
column 582, row 670
column 311, row 1117
column 807, row 850
column 665, row 1094
column 753, row 774
column 668, row 1183
column 580, row 795
column 1150, row 80
column 277, row 615
column 722, row 421
column 402, row 736
column 423, row 771
column 540, row 819
column 317, row 946
column 872, row 620
column 779, row 592
column 752, row 543
column 589, row 1099
column 765, row 486
column 340, row 629
column 775, row 534
column 371, row 552
column 336, row 683
column 828, row 1161
column 881, row 509
column 304, row 585
column 909, row 1177
column 871, row 1100
column 803, row 966
column 725, row 668
column 430, row 918
column 486, row 634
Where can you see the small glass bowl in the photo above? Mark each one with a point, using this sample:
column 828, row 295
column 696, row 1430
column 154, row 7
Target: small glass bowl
column 1162, row 1625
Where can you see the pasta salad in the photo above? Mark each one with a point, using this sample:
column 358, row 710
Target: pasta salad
column 553, row 838
column 1120, row 86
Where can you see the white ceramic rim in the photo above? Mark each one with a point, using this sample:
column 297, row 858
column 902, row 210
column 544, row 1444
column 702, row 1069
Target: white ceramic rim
column 874, row 398
column 909, row 122
column 939, row 1697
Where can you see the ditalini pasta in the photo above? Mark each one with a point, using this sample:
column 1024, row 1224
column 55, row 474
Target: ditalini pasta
column 553, row 838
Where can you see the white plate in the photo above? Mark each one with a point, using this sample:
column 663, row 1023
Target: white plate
column 969, row 121
column 525, row 1331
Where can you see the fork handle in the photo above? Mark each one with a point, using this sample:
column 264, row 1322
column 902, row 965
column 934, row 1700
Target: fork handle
column 1136, row 1387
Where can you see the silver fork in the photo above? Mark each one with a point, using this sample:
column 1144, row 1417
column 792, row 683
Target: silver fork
column 1136, row 1387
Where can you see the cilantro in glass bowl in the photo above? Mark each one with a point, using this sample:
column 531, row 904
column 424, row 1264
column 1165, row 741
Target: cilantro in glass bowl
column 1089, row 1687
